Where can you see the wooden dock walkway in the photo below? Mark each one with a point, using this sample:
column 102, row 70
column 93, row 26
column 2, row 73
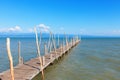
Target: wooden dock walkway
column 31, row 68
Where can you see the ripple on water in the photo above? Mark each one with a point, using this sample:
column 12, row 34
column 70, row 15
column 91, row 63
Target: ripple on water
column 111, row 74
column 112, row 60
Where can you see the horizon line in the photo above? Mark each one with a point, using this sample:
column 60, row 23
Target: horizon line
column 32, row 33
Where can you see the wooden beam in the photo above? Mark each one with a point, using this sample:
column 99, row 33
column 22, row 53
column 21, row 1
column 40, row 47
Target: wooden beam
column 10, row 59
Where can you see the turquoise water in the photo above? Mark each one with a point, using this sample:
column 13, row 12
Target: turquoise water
column 92, row 59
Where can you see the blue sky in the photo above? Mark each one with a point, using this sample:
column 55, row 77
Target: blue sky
column 88, row 17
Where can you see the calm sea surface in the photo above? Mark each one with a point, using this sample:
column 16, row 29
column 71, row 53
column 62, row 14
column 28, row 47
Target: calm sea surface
column 92, row 59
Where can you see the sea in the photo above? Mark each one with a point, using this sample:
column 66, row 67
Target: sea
column 94, row 58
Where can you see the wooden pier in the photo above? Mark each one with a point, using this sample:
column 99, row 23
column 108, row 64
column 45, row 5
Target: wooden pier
column 29, row 69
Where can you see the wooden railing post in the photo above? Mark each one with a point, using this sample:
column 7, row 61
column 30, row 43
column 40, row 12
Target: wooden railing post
column 38, row 51
column 61, row 49
column 43, row 59
column 45, row 49
column 50, row 51
column 58, row 40
column 20, row 59
column 49, row 43
column 10, row 59
column 53, row 41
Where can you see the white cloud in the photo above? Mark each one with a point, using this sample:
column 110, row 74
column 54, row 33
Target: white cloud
column 30, row 30
column 41, row 27
column 44, row 28
column 11, row 29
column 14, row 29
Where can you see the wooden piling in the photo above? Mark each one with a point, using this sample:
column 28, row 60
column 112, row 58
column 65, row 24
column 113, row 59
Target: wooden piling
column 40, row 38
column 50, row 51
column 61, row 49
column 38, row 51
column 20, row 59
column 43, row 60
column 49, row 42
column 54, row 46
column 10, row 59
column 58, row 40
column 63, row 46
column 66, row 41
column 54, row 42
column 45, row 49
column 50, row 47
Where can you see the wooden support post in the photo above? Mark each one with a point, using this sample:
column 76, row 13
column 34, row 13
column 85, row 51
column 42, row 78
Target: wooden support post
column 58, row 40
column 72, row 41
column 45, row 49
column 43, row 59
column 49, row 42
column 50, row 47
column 20, row 59
column 55, row 48
column 66, row 42
column 40, row 38
column 61, row 49
column 50, row 51
column 10, row 59
column 54, row 45
column 38, row 51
